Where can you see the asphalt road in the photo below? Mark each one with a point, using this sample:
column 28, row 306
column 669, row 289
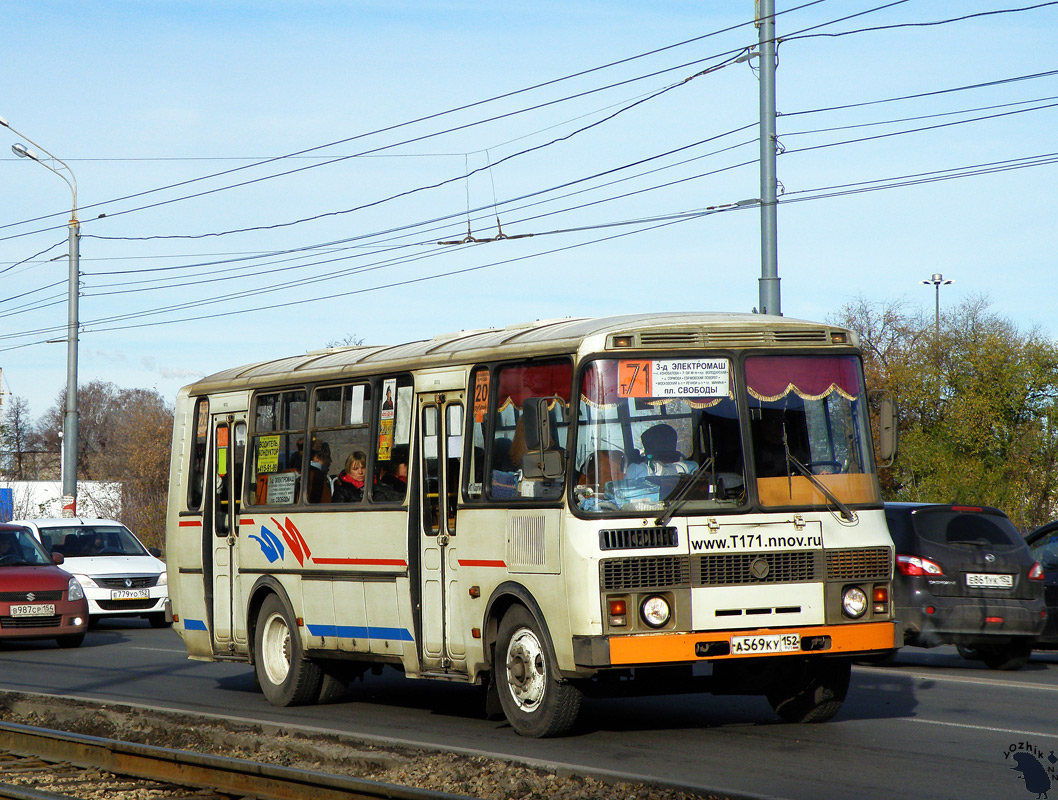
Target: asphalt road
column 930, row 725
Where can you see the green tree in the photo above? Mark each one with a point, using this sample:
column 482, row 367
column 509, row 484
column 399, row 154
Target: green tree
column 979, row 406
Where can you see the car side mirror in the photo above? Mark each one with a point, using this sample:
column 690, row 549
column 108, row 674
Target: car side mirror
column 58, row 558
column 154, row 551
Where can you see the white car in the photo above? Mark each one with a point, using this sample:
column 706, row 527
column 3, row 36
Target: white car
column 120, row 577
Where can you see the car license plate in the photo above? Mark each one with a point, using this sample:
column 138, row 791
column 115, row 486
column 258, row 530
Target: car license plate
column 130, row 594
column 36, row 610
column 771, row 643
column 989, row 581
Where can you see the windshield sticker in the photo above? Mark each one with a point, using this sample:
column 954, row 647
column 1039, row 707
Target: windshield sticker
column 674, row 378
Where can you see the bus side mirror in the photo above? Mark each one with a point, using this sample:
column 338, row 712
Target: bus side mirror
column 887, row 427
column 541, row 459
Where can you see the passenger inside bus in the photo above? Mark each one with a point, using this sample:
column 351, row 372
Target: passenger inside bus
column 662, row 456
column 318, row 479
column 349, row 486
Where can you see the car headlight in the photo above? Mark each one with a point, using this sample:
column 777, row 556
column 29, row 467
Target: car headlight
column 85, row 581
column 655, row 611
column 163, row 579
column 854, row 602
column 74, row 590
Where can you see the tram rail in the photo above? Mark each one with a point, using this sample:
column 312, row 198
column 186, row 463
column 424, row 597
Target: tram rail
column 76, row 763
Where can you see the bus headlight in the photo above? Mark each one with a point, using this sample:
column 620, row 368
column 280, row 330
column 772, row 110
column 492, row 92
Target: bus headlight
column 854, row 602
column 655, row 611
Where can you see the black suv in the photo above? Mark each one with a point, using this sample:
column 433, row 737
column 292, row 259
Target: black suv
column 964, row 576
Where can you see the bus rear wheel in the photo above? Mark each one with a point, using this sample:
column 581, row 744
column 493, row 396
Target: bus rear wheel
column 286, row 677
column 534, row 700
column 810, row 690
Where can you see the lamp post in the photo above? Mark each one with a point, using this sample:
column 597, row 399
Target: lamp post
column 937, row 280
column 69, row 446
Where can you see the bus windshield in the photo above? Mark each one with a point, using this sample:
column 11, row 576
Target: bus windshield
column 651, row 430
column 655, row 432
column 808, row 421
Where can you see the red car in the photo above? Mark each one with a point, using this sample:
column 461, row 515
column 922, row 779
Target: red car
column 37, row 599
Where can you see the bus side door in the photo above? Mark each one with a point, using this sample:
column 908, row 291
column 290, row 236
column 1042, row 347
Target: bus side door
column 440, row 452
column 229, row 453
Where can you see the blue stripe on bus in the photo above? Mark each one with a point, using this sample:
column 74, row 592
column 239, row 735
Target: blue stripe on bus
column 360, row 632
column 194, row 625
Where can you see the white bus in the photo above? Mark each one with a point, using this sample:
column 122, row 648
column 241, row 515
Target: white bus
column 663, row 502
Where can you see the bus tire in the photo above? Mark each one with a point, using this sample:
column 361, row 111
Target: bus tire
column 534, row 699
column 810, row 690
column 287, row 678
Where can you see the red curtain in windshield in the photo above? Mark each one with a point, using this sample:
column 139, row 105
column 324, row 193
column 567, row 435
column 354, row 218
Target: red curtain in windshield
column 771, row 378
column 516, row 383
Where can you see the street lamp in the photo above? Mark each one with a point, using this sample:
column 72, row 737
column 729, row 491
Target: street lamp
column 69, row 448
column 937, row 280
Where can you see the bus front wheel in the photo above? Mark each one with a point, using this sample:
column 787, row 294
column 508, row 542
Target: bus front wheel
column 810, row 690
column 286, row 677
column 534, row 700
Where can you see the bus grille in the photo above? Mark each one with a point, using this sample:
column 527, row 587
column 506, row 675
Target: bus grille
column 733, row 337
column 648, row 572
column 875, row 564
column 629, row 538
column 736, row 569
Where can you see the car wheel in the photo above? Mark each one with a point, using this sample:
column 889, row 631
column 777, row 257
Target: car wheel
column 1009, row 656
column 158, row 620
column 534, row 699
column 810, row 690
column 73, row 640
column 287, row 678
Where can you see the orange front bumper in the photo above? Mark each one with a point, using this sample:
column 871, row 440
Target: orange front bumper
column 669, row 648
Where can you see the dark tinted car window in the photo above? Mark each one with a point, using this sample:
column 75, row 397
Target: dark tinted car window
column 899, row 530
column 966, row 528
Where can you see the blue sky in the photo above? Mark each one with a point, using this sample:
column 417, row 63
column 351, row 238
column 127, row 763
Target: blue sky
column 137, row 96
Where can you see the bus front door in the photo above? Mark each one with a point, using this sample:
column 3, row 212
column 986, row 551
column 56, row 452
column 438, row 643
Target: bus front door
column 440, row 451
column 229, row 452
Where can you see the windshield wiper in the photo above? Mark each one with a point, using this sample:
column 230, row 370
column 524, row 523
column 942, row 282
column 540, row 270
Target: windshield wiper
column 677, row 501
column 845, row 512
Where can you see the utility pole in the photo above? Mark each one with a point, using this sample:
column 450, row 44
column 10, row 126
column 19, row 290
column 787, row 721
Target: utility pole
column 769, row 245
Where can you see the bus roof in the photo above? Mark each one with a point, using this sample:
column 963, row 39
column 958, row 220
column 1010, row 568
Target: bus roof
column 659, row 331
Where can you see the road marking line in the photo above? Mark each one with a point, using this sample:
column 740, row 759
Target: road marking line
column 1048, row 735
column 929, row 676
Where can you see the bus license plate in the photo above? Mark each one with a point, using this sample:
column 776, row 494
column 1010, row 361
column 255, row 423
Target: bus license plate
column 37, row 610
column 989, row 581
column 771, row 643
column 130, row 594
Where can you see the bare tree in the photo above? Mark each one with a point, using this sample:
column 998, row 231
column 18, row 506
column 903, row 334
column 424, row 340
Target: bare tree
column 20, row 442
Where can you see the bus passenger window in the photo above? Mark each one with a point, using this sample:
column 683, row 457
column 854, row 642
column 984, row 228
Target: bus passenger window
column 199, row 444
column 277, row 448
column 530, row 427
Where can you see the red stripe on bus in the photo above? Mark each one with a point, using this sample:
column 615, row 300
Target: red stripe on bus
column 481, row 563
column 246, row 522
column 372, row 562
column 190, row 523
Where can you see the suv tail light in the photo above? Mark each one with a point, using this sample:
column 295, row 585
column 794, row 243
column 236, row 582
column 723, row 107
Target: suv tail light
column 1036, row 573
column 915, row 565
